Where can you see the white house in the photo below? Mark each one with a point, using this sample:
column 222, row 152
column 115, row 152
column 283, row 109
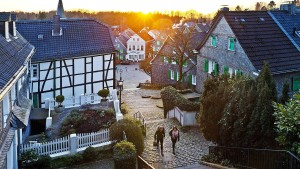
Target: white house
column 73, row 56
column 136, row 48
column 15, row 55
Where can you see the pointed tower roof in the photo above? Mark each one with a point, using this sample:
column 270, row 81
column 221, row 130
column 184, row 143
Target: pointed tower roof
column 60, row 9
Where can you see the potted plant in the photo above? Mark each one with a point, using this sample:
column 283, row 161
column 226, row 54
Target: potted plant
column 103, row 93
column 59, row 99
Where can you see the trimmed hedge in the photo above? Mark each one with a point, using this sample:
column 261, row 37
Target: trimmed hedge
column 124, row 154
column 172, row 98
column 133, row 133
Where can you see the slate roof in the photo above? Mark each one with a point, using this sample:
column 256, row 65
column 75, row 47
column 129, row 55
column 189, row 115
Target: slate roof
column 288, row 23
column 262, row 40
column 145, row 36
column 80, row 37
column 13, row 55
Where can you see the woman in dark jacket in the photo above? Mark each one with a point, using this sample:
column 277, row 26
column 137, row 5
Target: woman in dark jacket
column 174, row 134
column 159, row 137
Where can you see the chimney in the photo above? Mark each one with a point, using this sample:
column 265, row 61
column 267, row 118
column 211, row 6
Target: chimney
column 225, row 9
column 12, row 25
column 5, row 18
column 56, row 30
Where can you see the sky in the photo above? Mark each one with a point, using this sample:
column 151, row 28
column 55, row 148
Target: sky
column 203, row 6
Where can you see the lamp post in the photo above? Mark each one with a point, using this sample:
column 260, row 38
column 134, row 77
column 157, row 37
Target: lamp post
column 120, row 84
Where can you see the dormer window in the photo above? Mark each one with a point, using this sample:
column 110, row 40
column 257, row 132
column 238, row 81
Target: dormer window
column 40, row 37
column 231, row 44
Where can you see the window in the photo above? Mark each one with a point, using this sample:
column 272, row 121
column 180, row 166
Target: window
column 172, row 74
column 133, row 47
column 184, row 64
column 118, row 45
column 129, row 47
column 176, row 76
column 141, row 57
column 40, row 37
column 296, row 83
column 137, row 39
column 121, row 50
column 157, row 42
column 193, row 79
column 226, row 70
column 34, row 70
column 210, row 66
column 231, row 44
column 142, row 48
column 213, row 41
column 173, row 62
column 138, row 47
column 130, row 56
column 238, row 73
column 230, row 71
column 133, row 39
column 166, row 60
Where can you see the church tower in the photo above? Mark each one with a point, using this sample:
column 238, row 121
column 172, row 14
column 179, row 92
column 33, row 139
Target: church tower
column 60, row 9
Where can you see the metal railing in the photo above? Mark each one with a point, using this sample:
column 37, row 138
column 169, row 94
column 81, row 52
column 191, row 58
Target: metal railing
column 142, row 164
column 257, row 158
column 139, row 116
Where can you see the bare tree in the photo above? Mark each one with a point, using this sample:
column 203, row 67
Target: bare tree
column 272, row 5
column 258, row 6
column 179, row 48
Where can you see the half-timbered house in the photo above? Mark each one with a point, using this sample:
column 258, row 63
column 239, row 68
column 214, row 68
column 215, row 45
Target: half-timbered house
column 15, row 55
column 73, row 56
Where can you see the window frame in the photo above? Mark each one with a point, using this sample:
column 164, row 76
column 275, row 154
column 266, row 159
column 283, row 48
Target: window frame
column 194, row 79
column 213, row 41
column 231, row 39
column 171, row 74
column 34, row 68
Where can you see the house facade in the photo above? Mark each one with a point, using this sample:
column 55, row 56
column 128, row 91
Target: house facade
column 15, row 107
column 165, row 66
column 73, row 57
column 240, row 42
column 136, row 48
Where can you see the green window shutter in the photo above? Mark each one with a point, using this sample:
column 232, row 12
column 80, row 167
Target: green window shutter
column 213, row 41
column 162, row 58
column 206, row 65
column 226, row 70
column 176, row 61
column 231, row 44
column 296, row 83
column 182, row 79
column 185, row 63
column 190, row 79
column 169, row 74
column 216, row 69
column 239, row 73
column 169, row 60
column 175, row 76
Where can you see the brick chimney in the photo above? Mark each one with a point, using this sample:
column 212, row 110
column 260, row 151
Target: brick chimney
column 56, row 30
column 5, row 18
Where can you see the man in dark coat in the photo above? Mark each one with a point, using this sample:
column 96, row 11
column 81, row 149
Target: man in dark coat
column 159, row 137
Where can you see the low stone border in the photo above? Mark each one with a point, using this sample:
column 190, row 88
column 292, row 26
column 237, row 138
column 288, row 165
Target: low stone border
column 155, row 97
column 146, row 96
column 215, row 165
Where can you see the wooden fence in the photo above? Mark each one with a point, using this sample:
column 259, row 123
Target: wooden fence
column 65, row 145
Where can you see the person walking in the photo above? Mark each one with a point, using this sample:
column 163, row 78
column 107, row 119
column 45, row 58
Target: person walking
column 159, row 137
column 174, row 134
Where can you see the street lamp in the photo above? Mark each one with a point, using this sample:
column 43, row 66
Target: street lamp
column 120, row 84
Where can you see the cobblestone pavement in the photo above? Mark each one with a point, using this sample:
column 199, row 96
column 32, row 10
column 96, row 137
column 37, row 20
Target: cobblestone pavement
column 189, row 149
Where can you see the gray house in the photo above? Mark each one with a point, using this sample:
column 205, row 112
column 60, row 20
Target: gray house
column 239, row 42
column 165, row 70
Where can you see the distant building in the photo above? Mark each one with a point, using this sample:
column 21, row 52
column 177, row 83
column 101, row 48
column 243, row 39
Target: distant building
column 15, row 106
column 73, row 56
column 159, row 38
column 133, row 46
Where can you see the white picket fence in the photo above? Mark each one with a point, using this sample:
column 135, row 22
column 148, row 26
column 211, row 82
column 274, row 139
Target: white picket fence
column 69, row 144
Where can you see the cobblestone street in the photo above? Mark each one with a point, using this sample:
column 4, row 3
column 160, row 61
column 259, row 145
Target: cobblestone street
column 192, row 144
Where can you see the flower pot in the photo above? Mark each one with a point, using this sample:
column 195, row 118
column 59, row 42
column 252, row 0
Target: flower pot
column 59, row 109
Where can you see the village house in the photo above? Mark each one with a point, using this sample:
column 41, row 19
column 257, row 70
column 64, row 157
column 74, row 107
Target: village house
column 132, row 46
column 165, row 65
column 159, row 38
column 73, row 56
column 239, row 42
column 15, row 107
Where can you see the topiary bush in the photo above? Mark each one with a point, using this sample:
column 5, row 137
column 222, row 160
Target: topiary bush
column 59, row 99
column 133, row 133
column 103, row 93
column 172, row 98
column 124, row 154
